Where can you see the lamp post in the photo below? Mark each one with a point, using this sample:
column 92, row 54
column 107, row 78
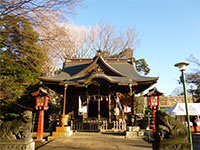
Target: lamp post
column 181, row 67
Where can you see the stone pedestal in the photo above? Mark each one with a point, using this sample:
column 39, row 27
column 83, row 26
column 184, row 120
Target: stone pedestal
column 16, row 145
column 62, row 131
column 171, row 145
column 133, row 132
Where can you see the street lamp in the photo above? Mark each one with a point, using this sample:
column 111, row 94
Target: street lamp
column 181, row 67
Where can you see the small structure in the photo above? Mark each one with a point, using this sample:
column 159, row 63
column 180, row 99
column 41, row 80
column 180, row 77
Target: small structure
column 16, row 134
column 93, row 84
column 180, row 112
column 42, row 100
column 170, row 133
column 153, row 103
column 179, row 109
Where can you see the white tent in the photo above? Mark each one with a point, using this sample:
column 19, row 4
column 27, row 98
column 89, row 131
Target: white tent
column 179, row 109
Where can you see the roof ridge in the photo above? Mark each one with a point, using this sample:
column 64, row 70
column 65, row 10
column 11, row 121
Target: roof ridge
column 95, row 60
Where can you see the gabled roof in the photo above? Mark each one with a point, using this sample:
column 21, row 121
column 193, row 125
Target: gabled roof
column 153, row 92
column 41, row 91
column 97, row 61
column 82, row 71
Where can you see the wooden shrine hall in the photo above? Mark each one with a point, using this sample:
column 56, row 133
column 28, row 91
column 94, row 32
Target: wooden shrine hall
column 90, row 87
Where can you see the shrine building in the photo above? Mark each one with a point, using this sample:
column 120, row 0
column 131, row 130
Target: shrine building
column 91, row 89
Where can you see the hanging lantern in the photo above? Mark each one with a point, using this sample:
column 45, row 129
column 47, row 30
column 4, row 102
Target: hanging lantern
column 153, row 98
column 154, row 102
column 42, row 99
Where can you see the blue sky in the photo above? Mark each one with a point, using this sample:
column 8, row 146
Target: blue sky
column 169, row 31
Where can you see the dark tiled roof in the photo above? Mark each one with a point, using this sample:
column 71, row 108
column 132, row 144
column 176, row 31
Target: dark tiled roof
column 154, row 92
column 130, row 71
column 119, row 71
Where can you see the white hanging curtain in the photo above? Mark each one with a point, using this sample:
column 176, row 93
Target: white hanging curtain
column 120, row 106
column 80, row 109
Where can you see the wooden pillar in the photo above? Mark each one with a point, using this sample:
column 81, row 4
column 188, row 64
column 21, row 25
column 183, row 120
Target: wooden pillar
column 109, row 105
column 64, row 101
column 40, row 125
column 99, row 105
column 132, row 110
column 132, row 106
column 131, row 96
column 123, row 115
column 87, row 103
column 63, row 119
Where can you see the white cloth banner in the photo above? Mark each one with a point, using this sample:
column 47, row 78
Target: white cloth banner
column 127, row 109
column 80, row 109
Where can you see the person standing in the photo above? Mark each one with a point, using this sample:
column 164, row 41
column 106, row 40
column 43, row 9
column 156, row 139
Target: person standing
column 194, row 121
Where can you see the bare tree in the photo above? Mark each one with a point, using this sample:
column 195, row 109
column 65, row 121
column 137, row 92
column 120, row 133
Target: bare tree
column 36, row 11
column 61, row 39
column 177, row 91
column 26, row 7
column 193, row 78
column 66, row 40
column 113, row 41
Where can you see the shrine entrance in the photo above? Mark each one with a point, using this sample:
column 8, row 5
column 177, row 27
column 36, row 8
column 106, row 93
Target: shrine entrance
column 93, row 108
column 99, row 99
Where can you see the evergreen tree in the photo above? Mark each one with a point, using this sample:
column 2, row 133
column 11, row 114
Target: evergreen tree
column 21, row 57
column 141, row 65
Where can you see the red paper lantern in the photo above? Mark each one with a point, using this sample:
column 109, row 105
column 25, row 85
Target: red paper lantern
column 153, row 102
column 42, row 102
column 153, row 98
column 42, row 99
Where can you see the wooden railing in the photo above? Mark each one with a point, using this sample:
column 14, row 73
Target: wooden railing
column 91, row 125
column 95, row 125
column 104, row 125
column 76, row 125
column 119, row 125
